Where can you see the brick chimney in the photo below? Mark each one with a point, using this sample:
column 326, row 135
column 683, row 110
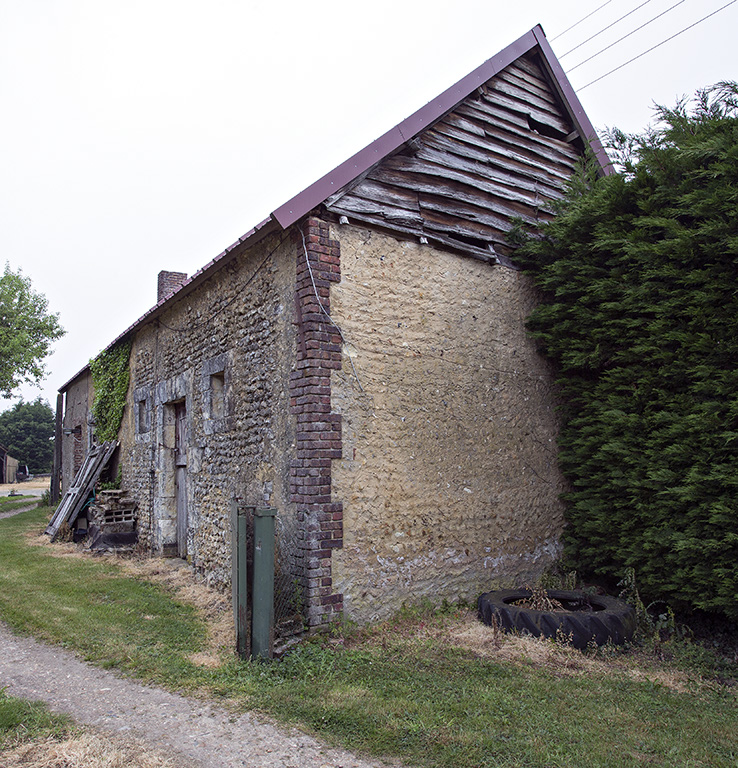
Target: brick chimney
column 169, row 282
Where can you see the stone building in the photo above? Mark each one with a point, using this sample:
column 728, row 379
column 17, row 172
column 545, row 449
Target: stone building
column 359, row 361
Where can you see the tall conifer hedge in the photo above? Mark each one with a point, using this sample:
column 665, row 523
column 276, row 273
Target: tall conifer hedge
column 639, row 278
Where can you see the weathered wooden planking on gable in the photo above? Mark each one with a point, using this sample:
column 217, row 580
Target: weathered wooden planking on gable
column 502, row 154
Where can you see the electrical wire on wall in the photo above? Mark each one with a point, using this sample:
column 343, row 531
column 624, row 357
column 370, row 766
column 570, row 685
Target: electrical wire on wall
column 230, row 301
column 323, row 310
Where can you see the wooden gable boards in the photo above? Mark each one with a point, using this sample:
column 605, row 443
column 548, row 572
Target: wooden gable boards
column 504, row 153
column 551, row 80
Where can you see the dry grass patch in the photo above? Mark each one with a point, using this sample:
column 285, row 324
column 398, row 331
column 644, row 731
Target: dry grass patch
column 491, row 643
column 487, row 642
column 461, row 629
column 57, row 549
column 214, row 607
column 86, row 750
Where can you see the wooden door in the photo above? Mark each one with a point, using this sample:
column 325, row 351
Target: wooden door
column 180, row 476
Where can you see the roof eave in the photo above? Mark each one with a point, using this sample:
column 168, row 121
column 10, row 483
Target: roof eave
column 252, row 237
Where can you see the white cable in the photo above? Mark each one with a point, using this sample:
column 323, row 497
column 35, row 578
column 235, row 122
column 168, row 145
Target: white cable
column 594, row 55
column 654, row 47
column 323, row 310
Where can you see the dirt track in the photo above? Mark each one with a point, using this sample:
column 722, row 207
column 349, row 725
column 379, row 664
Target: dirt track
column 192, row 732
column 17, row 511
column 34, row 487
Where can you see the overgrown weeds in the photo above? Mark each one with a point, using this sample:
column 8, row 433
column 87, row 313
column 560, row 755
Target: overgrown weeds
column 540, row 600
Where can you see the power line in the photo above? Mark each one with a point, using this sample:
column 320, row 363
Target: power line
column 654, row 47
column 607, row 47
column 604, row 29
column 580, row 21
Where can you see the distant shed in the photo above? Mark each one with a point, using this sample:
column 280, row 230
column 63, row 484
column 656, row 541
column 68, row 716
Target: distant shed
column 8, row 466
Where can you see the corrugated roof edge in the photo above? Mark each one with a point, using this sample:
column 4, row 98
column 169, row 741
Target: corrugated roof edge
column 302, row 203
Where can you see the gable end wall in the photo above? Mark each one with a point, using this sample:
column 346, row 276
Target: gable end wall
column 449, row 476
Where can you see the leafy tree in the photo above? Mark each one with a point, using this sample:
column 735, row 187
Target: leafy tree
column 640, row 311
column 27, row 431
column 27, row 331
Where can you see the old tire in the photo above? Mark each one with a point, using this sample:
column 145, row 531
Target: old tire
column 606, row 619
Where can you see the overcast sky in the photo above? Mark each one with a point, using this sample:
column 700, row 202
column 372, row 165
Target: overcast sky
column 150, row 134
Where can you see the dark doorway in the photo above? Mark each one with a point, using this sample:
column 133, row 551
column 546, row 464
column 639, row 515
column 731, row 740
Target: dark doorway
column 180, row 476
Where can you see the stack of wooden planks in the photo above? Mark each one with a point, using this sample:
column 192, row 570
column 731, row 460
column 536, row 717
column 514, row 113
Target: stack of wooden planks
column 79, row 492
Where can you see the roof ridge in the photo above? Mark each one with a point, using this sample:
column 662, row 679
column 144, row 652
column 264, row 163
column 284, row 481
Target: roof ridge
column 434, row 110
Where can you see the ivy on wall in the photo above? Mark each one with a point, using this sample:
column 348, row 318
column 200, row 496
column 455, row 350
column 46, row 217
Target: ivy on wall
column 110, row 376
column 638, row 275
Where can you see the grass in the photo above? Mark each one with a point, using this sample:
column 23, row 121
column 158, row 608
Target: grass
column 430, row 688
column 88, row 605
column 407, row 691
column 9, row 503
column 22, row 721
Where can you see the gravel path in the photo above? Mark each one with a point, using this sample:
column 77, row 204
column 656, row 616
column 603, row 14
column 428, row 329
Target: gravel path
column 17, row 511
column 194, row 733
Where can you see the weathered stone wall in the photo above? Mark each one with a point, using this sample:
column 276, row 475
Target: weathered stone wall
column 449, row 479
column 77, row 405
column 226, row 351
column 418, row 458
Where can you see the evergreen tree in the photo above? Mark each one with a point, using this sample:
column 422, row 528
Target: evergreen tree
column 27, row 431
column 639, row 276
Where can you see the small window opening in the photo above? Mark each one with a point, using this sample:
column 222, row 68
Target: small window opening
column 217, row 395
column 142, row 417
